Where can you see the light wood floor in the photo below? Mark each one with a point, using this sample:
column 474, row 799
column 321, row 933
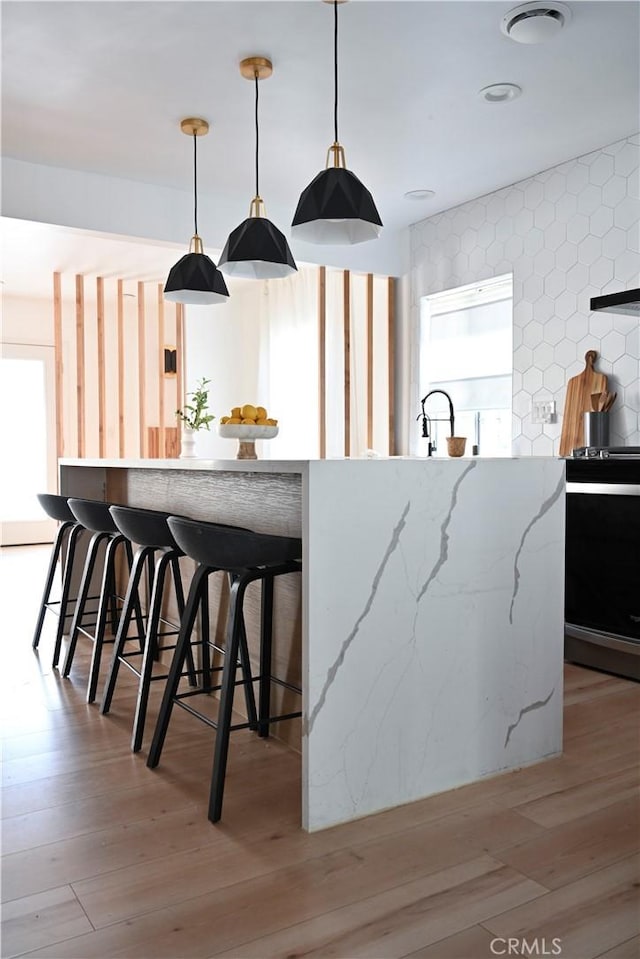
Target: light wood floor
column 104, row 858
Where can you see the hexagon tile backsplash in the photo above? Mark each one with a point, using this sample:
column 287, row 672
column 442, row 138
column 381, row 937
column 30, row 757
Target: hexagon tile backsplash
column 567, row 234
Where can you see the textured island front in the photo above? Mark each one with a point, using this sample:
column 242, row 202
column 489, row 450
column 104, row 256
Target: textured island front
column 429, row 630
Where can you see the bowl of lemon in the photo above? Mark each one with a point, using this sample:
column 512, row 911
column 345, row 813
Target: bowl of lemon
column 247, row 424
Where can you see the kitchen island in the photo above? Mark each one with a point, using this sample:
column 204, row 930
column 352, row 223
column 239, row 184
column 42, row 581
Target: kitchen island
column 426, row 626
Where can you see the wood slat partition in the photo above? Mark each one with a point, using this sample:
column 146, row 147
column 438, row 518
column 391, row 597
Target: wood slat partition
column 355, row 362
column 121, row 411
column 142, row 373
column 102, row 412
column 80, row 364
column 161, row 426
column 391, row 308
column 171, row 443
column 351, row 362
column 59, row 365
column 370, row 360
column 322, row 358
column 346, row 302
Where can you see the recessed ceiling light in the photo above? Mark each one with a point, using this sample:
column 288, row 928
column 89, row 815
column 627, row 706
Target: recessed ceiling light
column 419, row 194
column 500, row 92
column 535, row 22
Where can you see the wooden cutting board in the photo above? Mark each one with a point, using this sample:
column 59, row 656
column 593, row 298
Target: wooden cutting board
column 578, row 401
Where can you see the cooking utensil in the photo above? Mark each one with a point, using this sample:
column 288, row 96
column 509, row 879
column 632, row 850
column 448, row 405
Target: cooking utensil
column 611, row 398
column 580, row 389
column 595, row 402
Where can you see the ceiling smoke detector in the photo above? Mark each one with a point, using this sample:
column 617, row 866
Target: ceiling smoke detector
column 535, row 22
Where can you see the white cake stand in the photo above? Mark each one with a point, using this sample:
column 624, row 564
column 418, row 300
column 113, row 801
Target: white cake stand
column 247, row 436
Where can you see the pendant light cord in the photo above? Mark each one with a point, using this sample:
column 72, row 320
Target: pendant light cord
column 195, row 184
column 257, row 136
column 335, row 71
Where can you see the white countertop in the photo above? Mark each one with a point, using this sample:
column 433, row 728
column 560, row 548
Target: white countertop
column 189, row 465
column 274, row 466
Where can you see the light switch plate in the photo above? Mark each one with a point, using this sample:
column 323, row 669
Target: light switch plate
column 543, row 411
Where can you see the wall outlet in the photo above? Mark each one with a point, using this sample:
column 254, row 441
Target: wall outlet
column 543, row 411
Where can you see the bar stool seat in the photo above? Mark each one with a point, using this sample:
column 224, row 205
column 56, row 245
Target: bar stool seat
column 246, row 557
column 69, row 531
column 159, row 554
column 95, row 516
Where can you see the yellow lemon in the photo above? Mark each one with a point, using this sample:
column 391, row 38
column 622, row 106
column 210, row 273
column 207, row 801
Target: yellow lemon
column 249, row 412
column 247, row 421
column 262, row 421
column 233, row 420
column 271, row 422
column 261, row 413
column 235, row 411
column 224, row 419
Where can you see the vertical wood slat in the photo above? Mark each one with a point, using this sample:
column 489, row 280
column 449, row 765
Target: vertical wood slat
column 142, row 373
column 102, row 411
column 121, row 400
column 161, row 426
column 80, row 363
column 391, row 358
column 370, row 360
column 179, row 357
column 322, row 358
column 57, row 339
column 346, row 302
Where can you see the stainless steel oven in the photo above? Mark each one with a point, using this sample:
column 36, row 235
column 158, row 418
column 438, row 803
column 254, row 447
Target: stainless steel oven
column 602, row 562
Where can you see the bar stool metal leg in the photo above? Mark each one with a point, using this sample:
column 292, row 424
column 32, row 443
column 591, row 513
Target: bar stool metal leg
column 196, row 598
column 107, row 593
column 221, row 752
column 266, row 642
column 92, row 554
column 51, row 572
column 137, row 570
column 74, row 536
column 150, row 648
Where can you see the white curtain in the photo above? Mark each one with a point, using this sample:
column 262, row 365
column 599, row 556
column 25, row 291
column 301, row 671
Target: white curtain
column 288, row 363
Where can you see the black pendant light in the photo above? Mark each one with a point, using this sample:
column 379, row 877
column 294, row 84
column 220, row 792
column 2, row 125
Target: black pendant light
column 336, row 207
column 195, row 279
column 256, row 249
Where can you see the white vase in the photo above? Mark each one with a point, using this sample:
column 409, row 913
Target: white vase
column 188, row 444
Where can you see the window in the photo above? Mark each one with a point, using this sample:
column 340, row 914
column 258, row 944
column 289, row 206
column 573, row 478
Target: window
column 466, row 349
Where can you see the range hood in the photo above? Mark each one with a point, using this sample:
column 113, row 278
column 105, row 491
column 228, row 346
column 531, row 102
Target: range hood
column 626, row 302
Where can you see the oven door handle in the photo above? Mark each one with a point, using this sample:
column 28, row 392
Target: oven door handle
column 607, row 489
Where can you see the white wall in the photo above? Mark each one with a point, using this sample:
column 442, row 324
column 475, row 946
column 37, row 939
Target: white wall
column 92, row 201
column 30, row 320
column 568, row 234
column 27, row 320
column 222, row 343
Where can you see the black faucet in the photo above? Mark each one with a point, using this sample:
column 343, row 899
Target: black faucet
column 427, row 420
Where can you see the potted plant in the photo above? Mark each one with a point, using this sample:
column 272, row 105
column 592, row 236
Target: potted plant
column 194, row 416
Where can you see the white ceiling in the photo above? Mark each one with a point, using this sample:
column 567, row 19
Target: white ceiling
column 101, row 86
column 32, row 252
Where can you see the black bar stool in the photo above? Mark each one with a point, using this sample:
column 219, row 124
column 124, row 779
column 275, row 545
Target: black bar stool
column 246, row 556
column 159, row 553
column 95, row 516
column 70, row 530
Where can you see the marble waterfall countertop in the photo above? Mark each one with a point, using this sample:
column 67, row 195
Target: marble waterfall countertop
column 432, row 621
